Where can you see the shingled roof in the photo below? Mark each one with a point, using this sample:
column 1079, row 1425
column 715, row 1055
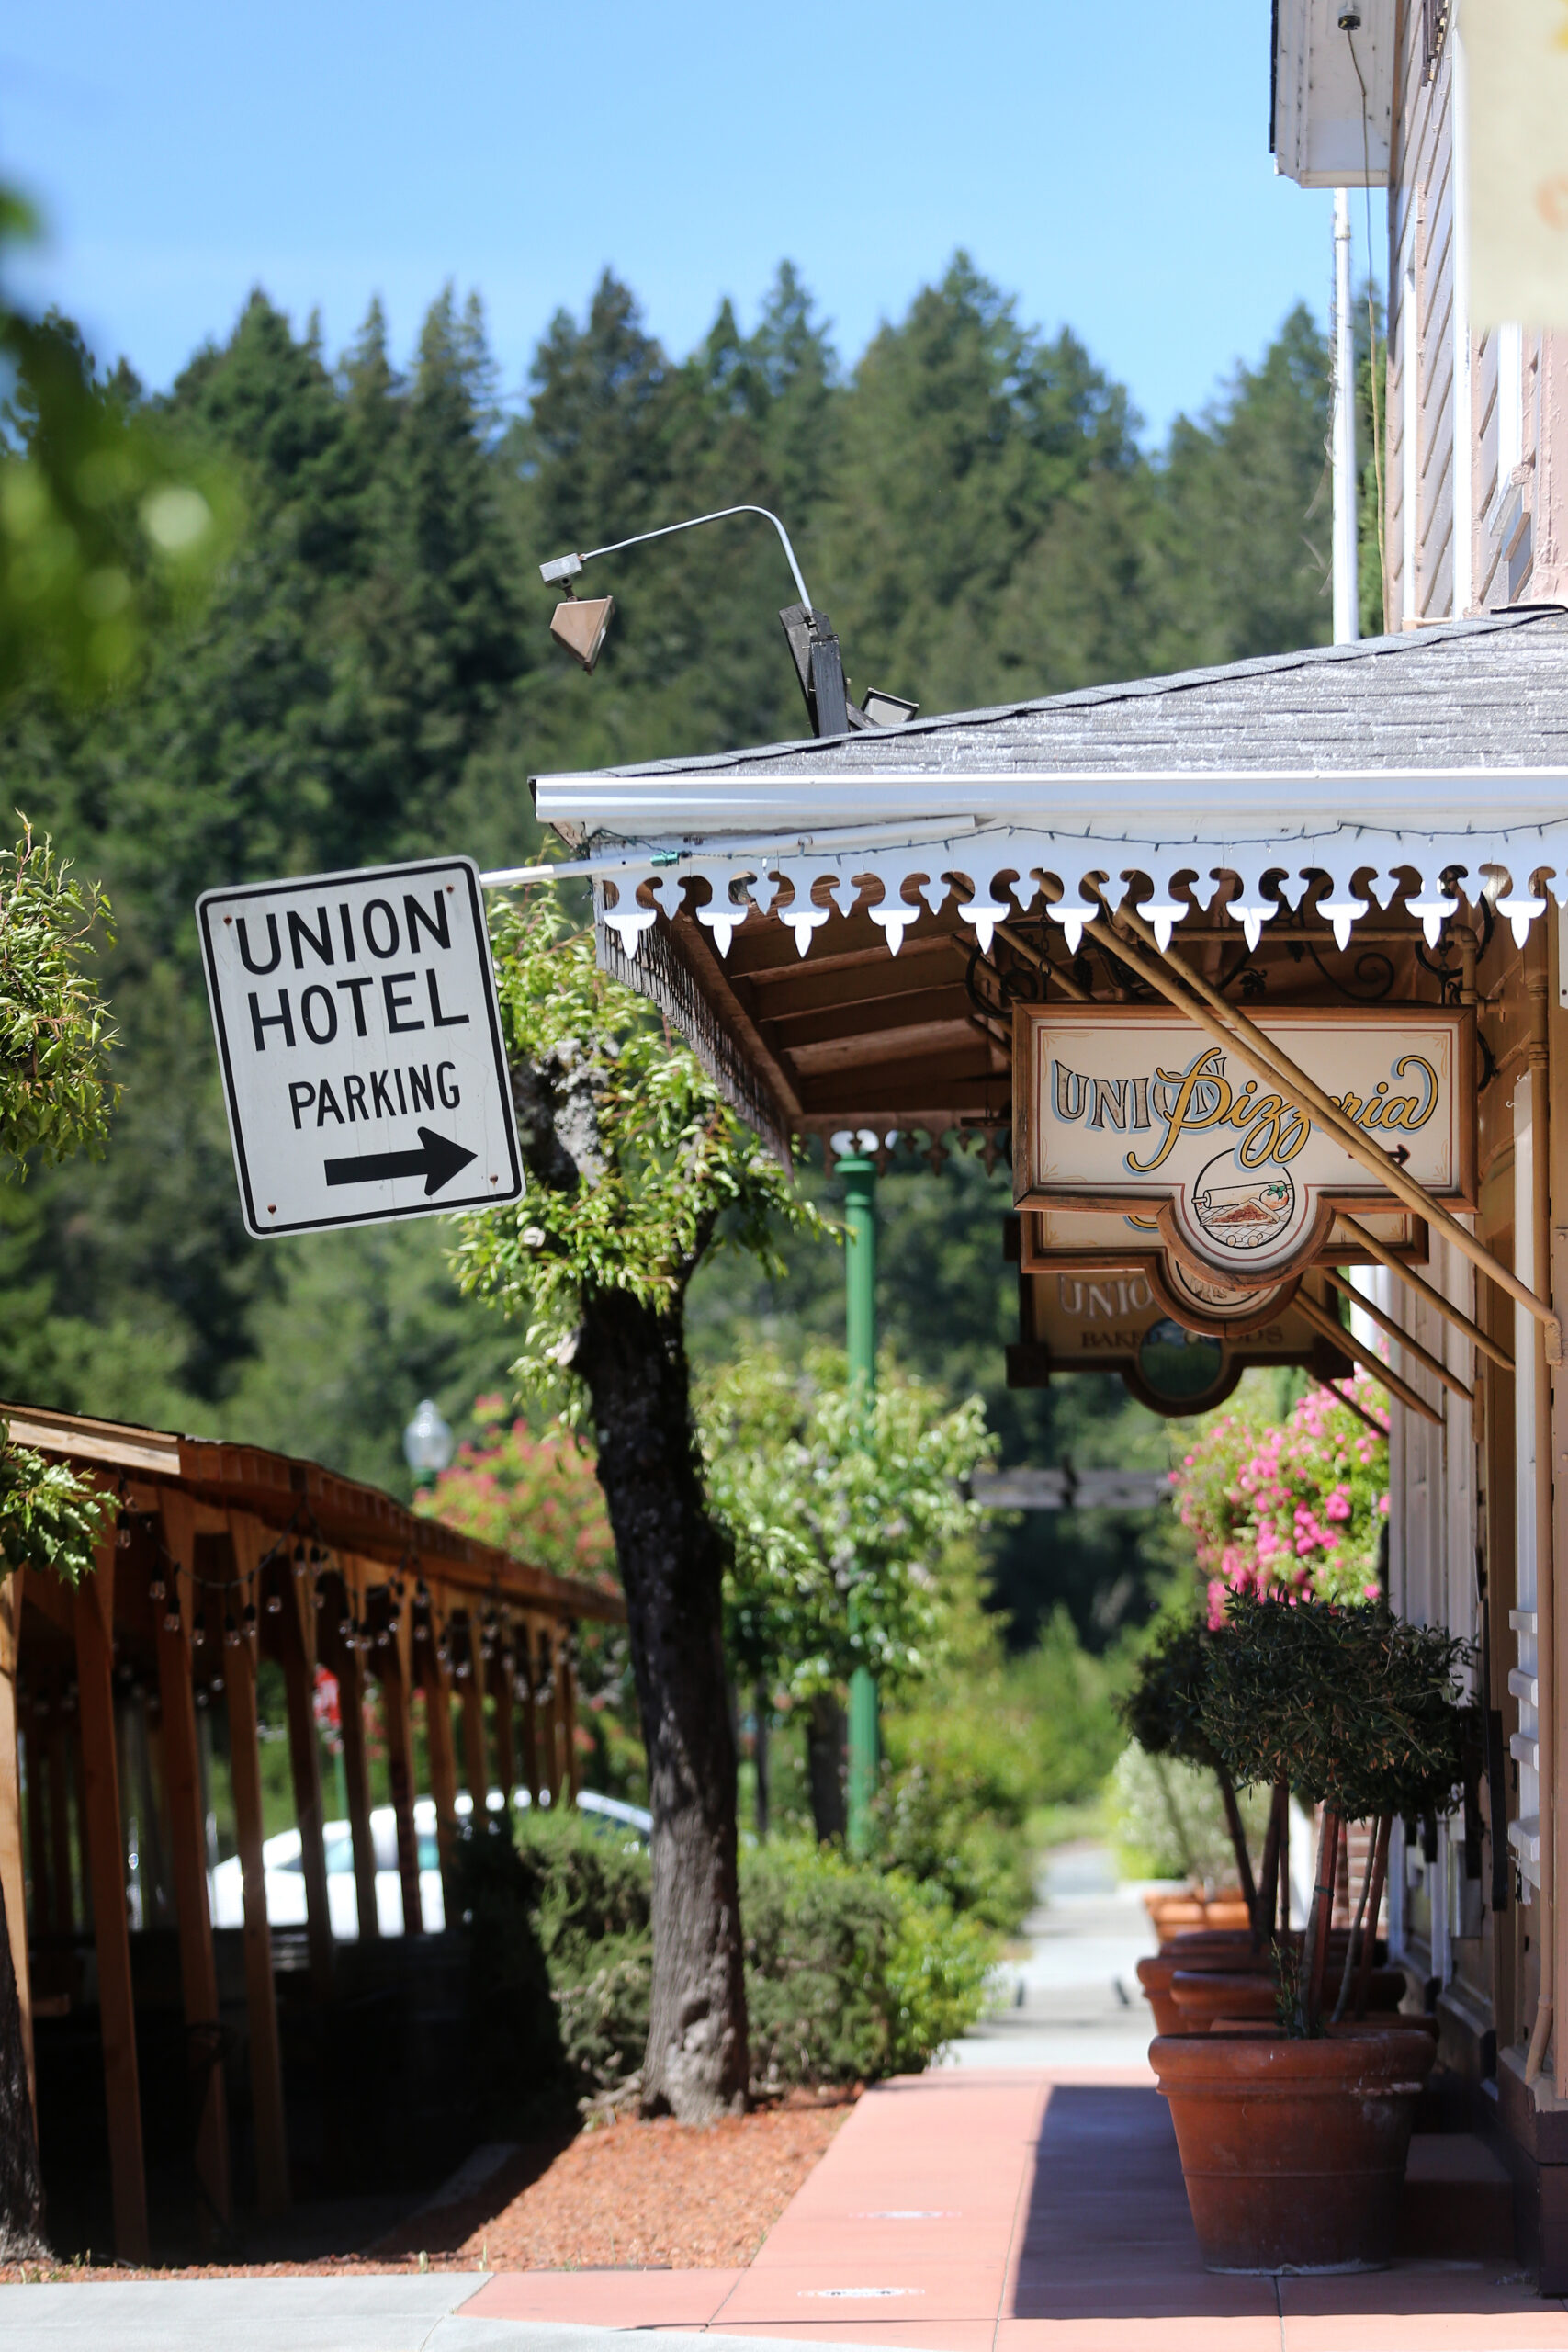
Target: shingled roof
column 1491, row 692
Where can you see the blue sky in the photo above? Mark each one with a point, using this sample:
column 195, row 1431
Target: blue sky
column 1109, row 165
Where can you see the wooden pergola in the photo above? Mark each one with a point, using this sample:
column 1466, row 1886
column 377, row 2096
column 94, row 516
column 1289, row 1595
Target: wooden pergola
column 223, row 1555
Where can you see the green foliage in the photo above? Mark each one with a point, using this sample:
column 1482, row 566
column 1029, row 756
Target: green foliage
column 839, row 1510
column 49, row 1516
column 104, row 523
column 1167, row 1820
column 535, row 1497
column 1357, row 1710
column 662, row 1158
column 55, row 1035
column 975, row 1752
column 1163, row 1707
column 851, row 1974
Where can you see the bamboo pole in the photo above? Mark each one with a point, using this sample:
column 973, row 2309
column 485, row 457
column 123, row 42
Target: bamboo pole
column 1378, row 1315
column 1240, row 1035
column 1321, row 1321
column 1434, row 1298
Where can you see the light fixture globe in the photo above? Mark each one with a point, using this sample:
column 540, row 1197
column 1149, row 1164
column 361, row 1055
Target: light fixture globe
column 427, row 1441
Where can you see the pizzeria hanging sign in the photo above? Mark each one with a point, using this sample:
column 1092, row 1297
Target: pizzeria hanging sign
column 1124, row 1108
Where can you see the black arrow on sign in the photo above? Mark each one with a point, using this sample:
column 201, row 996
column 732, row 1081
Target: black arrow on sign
column 438, row 1160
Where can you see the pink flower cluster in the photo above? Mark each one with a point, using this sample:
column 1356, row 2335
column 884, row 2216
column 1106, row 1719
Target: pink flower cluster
column 1292, row 1509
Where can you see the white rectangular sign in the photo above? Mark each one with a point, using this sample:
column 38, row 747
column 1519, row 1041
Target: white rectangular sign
column 1516, row 61
column 358, row 1028
column 1128, row 1108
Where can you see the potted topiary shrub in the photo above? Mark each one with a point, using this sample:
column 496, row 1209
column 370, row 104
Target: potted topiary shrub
column 1294, row 2142
column 1163, row 1712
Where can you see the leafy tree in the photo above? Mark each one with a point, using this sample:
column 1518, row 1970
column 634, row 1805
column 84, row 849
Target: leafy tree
column 839, row 1511
column 54, row 1099
column 102, row 520
column 633, row 1160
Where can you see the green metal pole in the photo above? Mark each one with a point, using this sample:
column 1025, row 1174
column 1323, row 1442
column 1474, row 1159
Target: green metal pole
column 860, row 1284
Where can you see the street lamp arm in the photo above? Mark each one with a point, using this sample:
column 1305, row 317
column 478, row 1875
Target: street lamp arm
column 567, row 567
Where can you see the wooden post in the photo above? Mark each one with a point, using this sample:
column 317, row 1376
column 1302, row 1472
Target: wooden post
column 566, row 1672
column 476, row 1756
column 30, row 1753
column 528, row 1655
column 199, row 1969
column 400, row 1771
column 298, row 1647
column 548, row 1717
column 58, row 1756
column 357, row 1778
column 261, row 1992
column 443, row 1770
column 13, row 1881
column 505, row 1749
column 92, row 1618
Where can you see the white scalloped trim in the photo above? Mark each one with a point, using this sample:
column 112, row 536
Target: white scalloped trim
column 971, row 866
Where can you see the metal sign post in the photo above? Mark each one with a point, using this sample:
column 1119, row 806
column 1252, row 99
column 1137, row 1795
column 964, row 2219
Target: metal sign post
column 364, row 1070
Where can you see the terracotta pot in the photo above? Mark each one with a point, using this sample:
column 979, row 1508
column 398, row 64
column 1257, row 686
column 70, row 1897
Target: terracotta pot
column 1199, row 1995
column 1293, row 2152
column 1389, row 2021
column 1155, row 1972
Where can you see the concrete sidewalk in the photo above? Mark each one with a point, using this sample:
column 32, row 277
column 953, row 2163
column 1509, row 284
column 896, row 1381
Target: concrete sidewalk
column 1029, row 2211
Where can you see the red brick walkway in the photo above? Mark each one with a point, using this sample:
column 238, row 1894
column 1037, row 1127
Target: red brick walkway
column 1027, row 2212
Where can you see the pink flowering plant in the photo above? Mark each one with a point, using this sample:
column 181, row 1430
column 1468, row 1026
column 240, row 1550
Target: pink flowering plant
column 1293, row 1509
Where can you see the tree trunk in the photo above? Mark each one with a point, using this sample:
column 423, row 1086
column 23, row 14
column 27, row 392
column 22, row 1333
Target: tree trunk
column 824, row 1767
column 671, row 1563
column 21, row 2186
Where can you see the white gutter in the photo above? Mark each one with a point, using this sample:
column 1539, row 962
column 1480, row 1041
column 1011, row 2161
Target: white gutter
column 1252, row 804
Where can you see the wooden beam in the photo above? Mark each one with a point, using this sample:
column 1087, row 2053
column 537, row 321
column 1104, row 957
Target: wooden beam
column 1331, row 1329
column 13, row 1879
column 1379, row 1249
column 1396, row 1331
column 1242, row 1036
column 261, row 1989
column 199, row 1968
column 92, row 1610
column 400, row 1771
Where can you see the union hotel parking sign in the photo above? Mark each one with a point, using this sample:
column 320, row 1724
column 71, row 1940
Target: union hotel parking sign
column 364, row 1070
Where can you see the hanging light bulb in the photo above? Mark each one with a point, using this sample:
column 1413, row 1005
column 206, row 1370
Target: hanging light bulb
column 299, row 1559
column 155, row 1587
column 275, row 1604
column 231, row 1633
column 171, row 1614
column 122, row 1532
column 248, row 1617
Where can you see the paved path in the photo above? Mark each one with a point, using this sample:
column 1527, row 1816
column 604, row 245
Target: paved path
column 989, row 2206
column 1076, row 2000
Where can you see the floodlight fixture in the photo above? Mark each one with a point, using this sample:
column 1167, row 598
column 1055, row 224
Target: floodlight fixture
column 580, row 626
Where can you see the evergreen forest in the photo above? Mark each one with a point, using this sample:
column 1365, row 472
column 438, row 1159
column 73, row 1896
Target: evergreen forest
column 974, row 502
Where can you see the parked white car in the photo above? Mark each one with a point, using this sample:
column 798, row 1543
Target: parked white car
column 284, row 1865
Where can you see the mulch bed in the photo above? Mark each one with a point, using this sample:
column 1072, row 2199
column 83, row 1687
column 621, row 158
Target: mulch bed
column 624, row 2195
